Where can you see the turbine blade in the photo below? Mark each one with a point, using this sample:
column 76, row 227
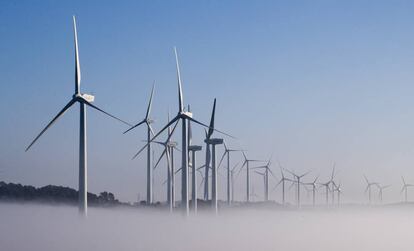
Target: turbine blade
column 403, row 180
column 277, row 185
column 221, row 160
column 271, row 172
column 77, row 65
column 202, row 124
column 211, row 127
column 180, row 91
column 305, row 174
column 110, row 115
column 151, row 130
column 135, row 126
column 169, row 136
column 162, row 155
column 190, row 131
column 366, row 179
column 333, row 171
column 67, row 106
column 150, row 102
column 234, row 167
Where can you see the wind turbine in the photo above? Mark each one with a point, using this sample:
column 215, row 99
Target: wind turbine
column 169, row 147
column 369, row 185
column 313, row 185
column 267, row 170
column 405, row 188
column 148, row 122
column 282, row 181
column 380, row 192
column 229, row 181
column 246, row 163
column 184, row 116
column 84, row 100
column 339, row 191
column 331, row 181
column 298, row 177
column 214, row 191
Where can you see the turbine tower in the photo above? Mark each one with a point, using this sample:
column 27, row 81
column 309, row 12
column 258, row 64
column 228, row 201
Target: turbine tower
column 405, row 188
column 380, row 191
column 368, row 189
column 214, row 198
column 148, row 122
column 84, row 100
column 313, row 185
column 331, row 181
column 298, row 177
column 232, row 182
column 282, row 181
column 265, row 175
column 338, row 189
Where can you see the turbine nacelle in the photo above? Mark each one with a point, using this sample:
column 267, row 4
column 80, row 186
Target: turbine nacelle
column 195, row 148
column 185, row 114
column 87, row 97
column 214, row 141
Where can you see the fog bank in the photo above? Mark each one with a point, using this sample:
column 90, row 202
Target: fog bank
column 40, row 227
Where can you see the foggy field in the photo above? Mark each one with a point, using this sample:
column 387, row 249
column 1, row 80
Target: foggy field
column 39, row 227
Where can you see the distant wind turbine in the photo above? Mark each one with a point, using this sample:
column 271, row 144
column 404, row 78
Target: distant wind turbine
column 368, row 188
column 380, row 191
column 405, row 188
column 246, row 164
column 229, row 180
column 266, row 172
column 297, row 181
column 282, row 181
column 314, row 188
column 150, row 131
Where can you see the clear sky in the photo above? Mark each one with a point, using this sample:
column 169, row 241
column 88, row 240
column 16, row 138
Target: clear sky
column 313, row 82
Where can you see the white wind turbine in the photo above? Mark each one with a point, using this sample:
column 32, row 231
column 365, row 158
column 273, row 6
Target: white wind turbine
column 405, row 188
column 380, row 191
column 265, row 175
column 229, row 180
column 246, row 163
column 314, row 188
column 83, row 100
column 169, row 147
column 368, row 188
column 282, row 181
column 297, row 181
column 150, row 131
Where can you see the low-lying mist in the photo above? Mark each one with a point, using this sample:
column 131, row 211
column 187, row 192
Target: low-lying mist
column 40, row 227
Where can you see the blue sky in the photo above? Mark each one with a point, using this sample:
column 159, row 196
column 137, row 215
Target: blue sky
column 312, row 82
